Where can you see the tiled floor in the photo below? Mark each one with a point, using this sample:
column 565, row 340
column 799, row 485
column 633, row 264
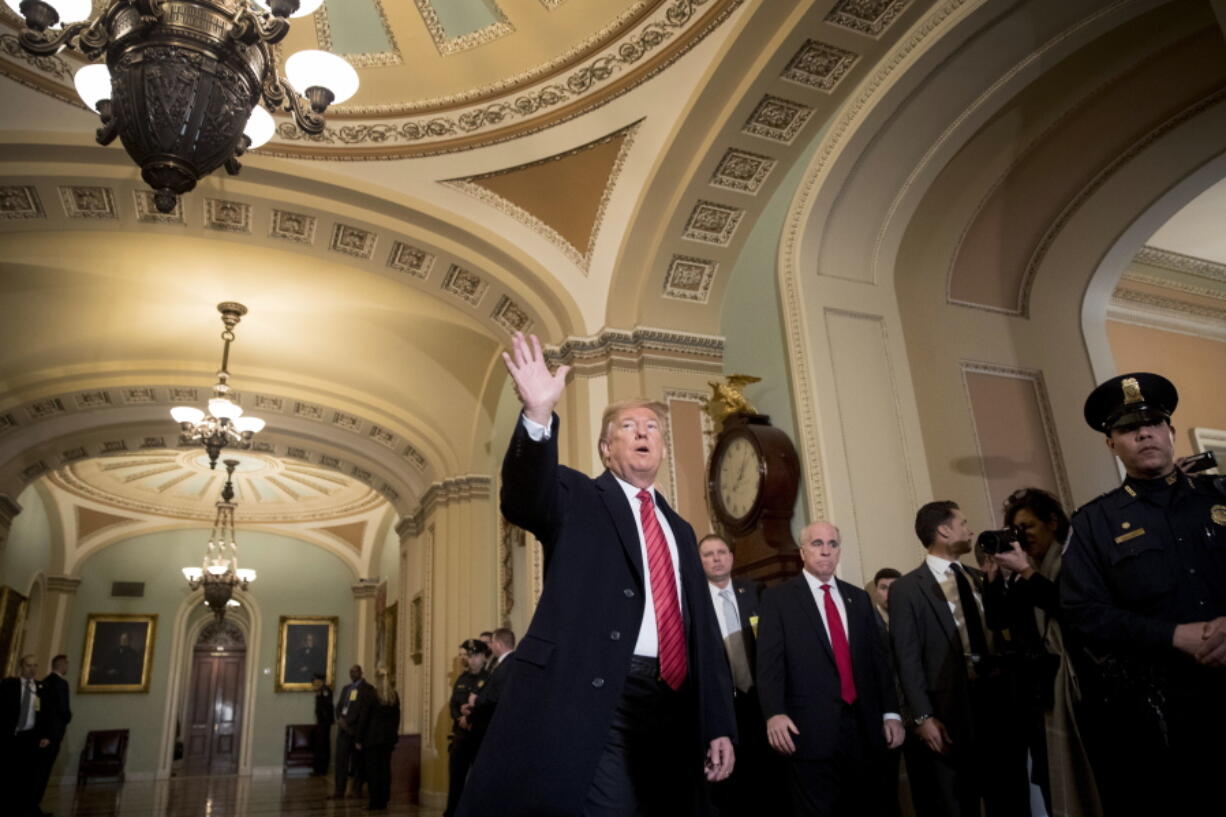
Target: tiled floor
column 216, row 797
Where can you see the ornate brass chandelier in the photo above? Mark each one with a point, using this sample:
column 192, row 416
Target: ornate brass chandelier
column 223, row 424
column 219, row 572
column 183, row 78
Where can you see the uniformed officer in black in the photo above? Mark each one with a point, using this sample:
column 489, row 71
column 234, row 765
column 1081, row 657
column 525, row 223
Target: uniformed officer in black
column 1144, row 583
column 463, row 748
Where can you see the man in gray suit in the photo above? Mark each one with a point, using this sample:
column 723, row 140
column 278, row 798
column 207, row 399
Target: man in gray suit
column 950, row 679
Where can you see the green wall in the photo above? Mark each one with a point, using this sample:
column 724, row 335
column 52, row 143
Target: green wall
column 295, row 578
column 27, row 552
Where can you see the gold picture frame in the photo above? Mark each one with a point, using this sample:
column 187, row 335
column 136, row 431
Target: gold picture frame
column 299, row 653
column 12, row 628
column 118, row 652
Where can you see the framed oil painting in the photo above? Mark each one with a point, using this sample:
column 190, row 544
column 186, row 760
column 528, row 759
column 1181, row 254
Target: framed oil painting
column 118, row 653
column 12, row 620
column 306, row 645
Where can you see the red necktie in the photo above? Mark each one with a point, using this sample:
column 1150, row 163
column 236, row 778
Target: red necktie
column 669, row 632
column 842, row 652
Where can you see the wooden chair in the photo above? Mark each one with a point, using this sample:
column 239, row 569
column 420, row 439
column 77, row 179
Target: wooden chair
column 104, row 755
column 299, row 754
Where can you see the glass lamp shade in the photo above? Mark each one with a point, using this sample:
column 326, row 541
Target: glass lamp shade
column 224, row 409
column 312, row 68
column 186, row 414
column 246, row 574
column 248, row 423
column 233, row 603
column 193, row 574
column 70, row 11
column 260, row 127
column 93, row 84
column 304, row 8
column 219, row 570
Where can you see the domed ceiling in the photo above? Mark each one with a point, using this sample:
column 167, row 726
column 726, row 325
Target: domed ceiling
column 180, row 484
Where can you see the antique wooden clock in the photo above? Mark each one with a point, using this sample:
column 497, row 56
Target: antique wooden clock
column 752, row 484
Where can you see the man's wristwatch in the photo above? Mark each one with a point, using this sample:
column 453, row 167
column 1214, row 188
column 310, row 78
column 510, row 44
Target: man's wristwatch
column 920, row 719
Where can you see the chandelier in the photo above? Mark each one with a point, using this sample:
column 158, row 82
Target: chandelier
column 219, row 573
column 183, row 79
column 223, row 424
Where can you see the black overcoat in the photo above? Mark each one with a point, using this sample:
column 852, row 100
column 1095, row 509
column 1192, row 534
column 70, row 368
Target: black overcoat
column 551, row 725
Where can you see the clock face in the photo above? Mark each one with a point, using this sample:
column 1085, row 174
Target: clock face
column 740, row 476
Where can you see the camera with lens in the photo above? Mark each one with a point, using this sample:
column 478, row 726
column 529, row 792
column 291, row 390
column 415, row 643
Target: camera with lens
column 998, row 541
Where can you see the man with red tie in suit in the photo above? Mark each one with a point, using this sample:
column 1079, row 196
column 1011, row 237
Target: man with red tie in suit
column 620, row 696
column 825, row 684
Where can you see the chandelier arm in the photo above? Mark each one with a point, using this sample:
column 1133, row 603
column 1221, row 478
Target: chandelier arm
column 251, row 27
column 46, row 43
column 306, row 118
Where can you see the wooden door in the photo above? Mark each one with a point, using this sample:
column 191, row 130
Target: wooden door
column 214, row 713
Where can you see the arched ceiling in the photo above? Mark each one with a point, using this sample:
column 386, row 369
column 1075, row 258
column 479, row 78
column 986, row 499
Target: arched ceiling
column 559, row 166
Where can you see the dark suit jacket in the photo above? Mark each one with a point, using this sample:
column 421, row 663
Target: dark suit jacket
column 797, row 674
column 551, row 725
column 489, row 696
column 53, row 695
column 10, row 709
column 928, row 653
column 359, row 710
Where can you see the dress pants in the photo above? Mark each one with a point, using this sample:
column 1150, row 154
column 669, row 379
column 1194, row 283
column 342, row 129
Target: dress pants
column 17, row 772
column 986, row 763
column 758, row 780
column 649, row 766
column 42, row 772
column 321, row 746
column 378, row 775
column 842, row 785
column 462, row 753
column 348, row 763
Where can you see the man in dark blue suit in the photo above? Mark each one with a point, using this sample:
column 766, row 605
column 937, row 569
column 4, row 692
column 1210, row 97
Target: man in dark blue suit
column 825, row 684
column 620, row 694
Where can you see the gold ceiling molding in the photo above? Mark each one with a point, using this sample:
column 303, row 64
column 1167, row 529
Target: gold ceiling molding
column 456, row 489
column 1178, row 262
column 554, row 67
column 323, row 33
column 21, row 415
column 1155, row 311
column 454, row 45
column 625, row 65
column 520, row 204
column 642, row 346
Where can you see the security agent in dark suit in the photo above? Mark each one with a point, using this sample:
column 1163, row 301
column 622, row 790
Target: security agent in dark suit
column 57, row 714
column 484, row 702
column 352, row 707
column 950, row 680
column 23, row 740
column 325, row 716
column 825, row 683
column 757, row 782
column 462, row 749
column 620, row 691
column 1143, row 582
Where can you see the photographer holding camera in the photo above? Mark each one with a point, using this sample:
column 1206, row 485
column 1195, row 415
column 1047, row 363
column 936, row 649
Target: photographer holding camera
column 1023, row 604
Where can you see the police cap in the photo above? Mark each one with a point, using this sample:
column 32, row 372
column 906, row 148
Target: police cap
column 1129, row 400
column 475, row 645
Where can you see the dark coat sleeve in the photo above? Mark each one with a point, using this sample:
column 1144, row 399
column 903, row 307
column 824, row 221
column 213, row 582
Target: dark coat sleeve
column 55, row 707
column 883, row 671
column 906, row 619
column 772, row 662
column 533, row 503
column 489, row 696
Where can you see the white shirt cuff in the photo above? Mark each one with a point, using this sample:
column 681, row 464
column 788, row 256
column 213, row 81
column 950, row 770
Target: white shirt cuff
column 536, row 431
column 891, row 716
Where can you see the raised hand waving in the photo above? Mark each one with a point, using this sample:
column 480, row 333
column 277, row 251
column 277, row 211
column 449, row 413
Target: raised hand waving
column 538, row 388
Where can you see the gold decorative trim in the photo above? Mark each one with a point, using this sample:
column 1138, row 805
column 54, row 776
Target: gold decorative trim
column 582, row 259
column 576, row 94
column 453, row 45
column 323, row 33
column 1178, row 262
column 1135, row 276
column 643, row 346
column 795, row 316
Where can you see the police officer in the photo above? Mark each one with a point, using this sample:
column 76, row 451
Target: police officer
column 463, row 749
column 1144, row 582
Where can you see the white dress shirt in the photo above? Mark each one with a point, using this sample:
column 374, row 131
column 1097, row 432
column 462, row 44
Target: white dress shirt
column 819, row 596
column 648, row 642
column 29, row 715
